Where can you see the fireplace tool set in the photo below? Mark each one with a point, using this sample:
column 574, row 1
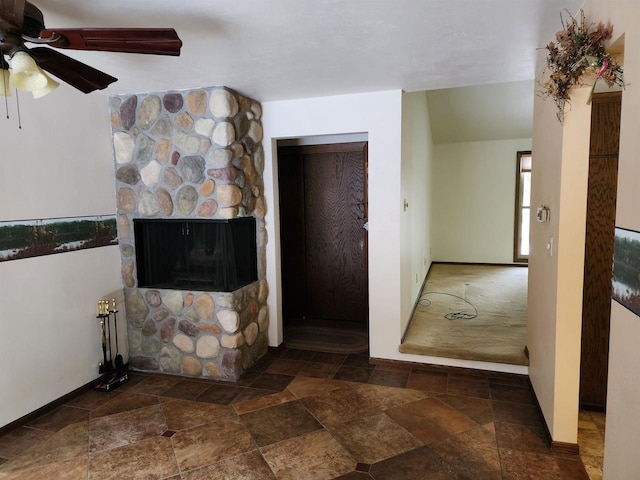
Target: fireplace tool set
column 112, row 369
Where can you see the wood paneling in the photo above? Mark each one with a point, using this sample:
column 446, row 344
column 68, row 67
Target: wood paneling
column 605, row 124
column 600, row 228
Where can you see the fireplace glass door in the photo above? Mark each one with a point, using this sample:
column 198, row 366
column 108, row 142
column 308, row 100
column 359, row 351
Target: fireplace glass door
column 208, row 255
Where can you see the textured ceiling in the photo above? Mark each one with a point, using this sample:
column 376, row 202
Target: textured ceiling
column 284, row 49
column 498, row 111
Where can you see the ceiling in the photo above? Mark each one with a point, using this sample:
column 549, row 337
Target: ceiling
column 286, row 49
column 497, row 111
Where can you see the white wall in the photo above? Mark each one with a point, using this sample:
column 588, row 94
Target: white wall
column 416, row 189
column 568, row 248
column 474, row 200
column 59, row 164
column 542, row 293
column 621, row 460
column 379, row 116
column 622, row 435
column 559, row 181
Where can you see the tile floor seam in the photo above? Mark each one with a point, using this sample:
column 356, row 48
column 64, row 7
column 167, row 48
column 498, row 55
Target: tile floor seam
column 402, row 427
column 271, row 445
column 500, row 460
column 88, row 452
column 108, row 449
column 115, row 414
column 35, row 428
column 324, row 427
column 175, row 457
column 444, row 460
column 164, row 417
column 255, row 442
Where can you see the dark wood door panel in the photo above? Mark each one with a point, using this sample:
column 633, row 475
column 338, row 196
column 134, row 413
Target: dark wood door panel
column 600, row 230
column 335, row 213
column 596, row 302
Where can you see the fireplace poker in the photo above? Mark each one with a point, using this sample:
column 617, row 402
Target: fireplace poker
column 119, row 362
column 104, row 346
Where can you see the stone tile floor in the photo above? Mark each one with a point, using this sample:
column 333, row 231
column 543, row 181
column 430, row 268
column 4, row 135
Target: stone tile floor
column 591, row 426
column 297, row 415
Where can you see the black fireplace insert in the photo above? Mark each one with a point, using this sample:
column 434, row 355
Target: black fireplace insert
column 186, row 254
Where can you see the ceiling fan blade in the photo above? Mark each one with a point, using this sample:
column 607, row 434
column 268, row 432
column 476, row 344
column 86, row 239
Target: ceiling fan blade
column 75, row 73
column 11, row 13
column 155, row 41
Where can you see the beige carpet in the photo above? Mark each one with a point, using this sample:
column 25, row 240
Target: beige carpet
column 471, row 312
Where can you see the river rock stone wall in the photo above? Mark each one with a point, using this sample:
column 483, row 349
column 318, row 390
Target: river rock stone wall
column 190, row 154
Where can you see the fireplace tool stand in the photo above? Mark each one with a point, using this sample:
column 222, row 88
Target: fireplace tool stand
column 113, row 371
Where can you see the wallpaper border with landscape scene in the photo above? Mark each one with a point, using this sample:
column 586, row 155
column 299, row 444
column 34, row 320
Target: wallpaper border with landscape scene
column 33, row 238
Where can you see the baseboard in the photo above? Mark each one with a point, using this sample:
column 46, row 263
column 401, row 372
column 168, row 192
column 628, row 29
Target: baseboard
column 415, row 305
column 426, row 367
column 564, row 448
column 489, row 264
column 22, row 421
column 558, row 448
column 593, row 408
column 385, row 362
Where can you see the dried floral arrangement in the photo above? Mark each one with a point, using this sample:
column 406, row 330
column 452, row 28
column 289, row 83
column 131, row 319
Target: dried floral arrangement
column 579, row 49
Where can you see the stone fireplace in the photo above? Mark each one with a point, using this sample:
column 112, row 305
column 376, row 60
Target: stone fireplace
column 190, row 161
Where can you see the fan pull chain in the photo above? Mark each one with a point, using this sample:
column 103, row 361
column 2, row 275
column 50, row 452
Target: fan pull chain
column 18, row 108
column 5, row 86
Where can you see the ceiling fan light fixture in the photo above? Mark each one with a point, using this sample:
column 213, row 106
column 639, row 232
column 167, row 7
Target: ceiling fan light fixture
column 48, row 88
column 5, row 90
column 21, row 21
column 25, row 73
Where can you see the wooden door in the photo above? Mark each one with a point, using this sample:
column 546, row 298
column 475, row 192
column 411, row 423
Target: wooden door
column 323, row 209
column 600, row 229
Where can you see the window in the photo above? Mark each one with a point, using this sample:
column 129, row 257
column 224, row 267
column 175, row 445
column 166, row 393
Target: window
column 523, row 207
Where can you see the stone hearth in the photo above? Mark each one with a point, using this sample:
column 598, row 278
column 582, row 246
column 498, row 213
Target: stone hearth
column 193, row 154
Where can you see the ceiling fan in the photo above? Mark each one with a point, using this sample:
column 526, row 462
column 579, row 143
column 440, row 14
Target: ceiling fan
column 22, row 22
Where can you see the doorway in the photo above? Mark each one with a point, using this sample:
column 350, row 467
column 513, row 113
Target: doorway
column 323, row 239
